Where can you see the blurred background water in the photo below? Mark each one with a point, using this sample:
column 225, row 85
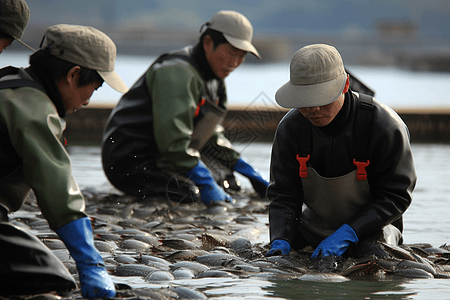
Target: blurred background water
column 401, row 49
column 396, row 87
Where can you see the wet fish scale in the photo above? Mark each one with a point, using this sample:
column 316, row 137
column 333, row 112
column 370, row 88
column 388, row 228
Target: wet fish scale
column 326, row 277
column 195, row 267
column 103, row 246
column 244, row 219
column 159, row 275
column 132, row 244
column 215, row 259
column 183, row 273
column 361, row 270
column 416, row 265
column 148, row 259
column 398, row 252
column 188, row 293
column 108, row 236
column 210, row 241
column 130, row 232
column 149, row 239
column 133, row 270
column 125, row 259
column 54, row 244
column 436, row 251
column 151, row 294
column 247, row 268
column 185, row 254
column 412, row 273
column 216, row 273
column 185, row 236
column 241, row 246
column 178, row 244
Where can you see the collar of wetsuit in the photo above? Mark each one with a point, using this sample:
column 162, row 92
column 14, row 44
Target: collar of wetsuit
column 341, row 118
column 41, row 75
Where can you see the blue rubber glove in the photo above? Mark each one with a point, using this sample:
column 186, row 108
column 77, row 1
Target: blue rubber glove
column 279, row 246
column 210, row 191
column 259, row 184
column 94, row 279
column 337, row 243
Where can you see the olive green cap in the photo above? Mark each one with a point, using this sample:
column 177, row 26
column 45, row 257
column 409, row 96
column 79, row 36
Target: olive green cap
column 14, row 17
column 87, row 47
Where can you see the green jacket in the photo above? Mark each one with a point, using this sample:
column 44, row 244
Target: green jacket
column 33, row 155
column 157, row 117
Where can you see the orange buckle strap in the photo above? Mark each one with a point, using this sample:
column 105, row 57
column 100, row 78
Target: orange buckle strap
column 303, row 170
column 197, row 110
column 361, row 173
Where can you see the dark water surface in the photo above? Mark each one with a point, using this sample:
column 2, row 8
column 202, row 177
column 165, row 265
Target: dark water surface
column 426, row 221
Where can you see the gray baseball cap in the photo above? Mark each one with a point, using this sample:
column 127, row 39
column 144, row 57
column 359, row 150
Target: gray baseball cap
column 87, row 47
column 14, row 18
column 317, row 78
column 236, row 29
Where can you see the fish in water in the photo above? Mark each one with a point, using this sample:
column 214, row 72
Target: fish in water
column 160, row 243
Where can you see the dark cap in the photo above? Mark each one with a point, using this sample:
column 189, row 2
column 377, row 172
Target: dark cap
column 14, row 17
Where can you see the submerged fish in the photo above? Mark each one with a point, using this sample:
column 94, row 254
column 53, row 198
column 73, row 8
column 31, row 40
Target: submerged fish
column 195, row 267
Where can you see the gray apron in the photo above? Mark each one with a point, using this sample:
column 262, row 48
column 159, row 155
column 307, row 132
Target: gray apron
column 329, row 203
column 205, row 127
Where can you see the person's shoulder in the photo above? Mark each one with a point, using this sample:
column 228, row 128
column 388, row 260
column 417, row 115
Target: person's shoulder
column 382, row 114
column 291, row 121
column 175, row 68
column 32, row 94
column 291, row 118
column 385, row 115
column 386, row 122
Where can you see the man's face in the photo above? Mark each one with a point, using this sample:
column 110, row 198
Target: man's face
column 323, row 115
column 74, row 97
column 80, row 97
column 4, row 43
column 224, row 59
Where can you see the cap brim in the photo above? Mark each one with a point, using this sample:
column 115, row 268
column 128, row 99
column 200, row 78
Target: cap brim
column 242, row 45
column 297, row 96
column 114, row 81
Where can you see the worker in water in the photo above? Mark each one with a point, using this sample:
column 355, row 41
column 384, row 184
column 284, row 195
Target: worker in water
column 72, row 62
column 164, row 136
column 342, row 171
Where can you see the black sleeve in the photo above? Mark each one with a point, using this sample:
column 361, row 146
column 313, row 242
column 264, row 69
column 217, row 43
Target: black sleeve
column 392, row 178
column 285, row 190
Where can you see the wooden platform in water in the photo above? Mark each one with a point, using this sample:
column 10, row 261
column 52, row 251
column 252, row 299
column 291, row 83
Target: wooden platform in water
column 258, row 124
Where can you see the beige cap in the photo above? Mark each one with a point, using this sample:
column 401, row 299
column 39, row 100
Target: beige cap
column 87, row 47
column 317, row 78
column 14, row 18
column 236, row 29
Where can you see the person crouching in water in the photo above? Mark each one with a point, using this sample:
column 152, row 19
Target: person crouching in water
column 342, row 171
column 73, row 62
